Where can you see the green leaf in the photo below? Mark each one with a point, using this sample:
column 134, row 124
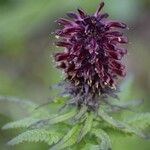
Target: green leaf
column 23, row 123
column 105, row 143
column 91, row 147
column 131, row 103
column 61, row 118
column 87, row 126
column 26, row 104
column 122, row 105
column 68, row 140
column 121, row 126
column 81, row 112
column 110, row 120
column 60, row 99
column 55, row 118
column 141, row 120
column 36, row 135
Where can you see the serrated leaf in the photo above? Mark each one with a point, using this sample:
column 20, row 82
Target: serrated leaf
column 36, row 135
column 110, row 120
column 91, row 147
column 70, row 142
column 121, row 126
column 105, row 143
column 115, row 106
column 56, row 118
column 69, row 139
column 87, row 126
column 27, row 104
column 131, row 103
column 23, row 123
column 140, row 120
column 61, row 118
column 60, row 99
column 81, row 112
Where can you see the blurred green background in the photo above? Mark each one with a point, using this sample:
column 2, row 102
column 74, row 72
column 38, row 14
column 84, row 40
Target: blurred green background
column 26, row 47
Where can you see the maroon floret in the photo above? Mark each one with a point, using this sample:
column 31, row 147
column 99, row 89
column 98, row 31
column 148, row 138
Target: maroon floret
column 92, row 54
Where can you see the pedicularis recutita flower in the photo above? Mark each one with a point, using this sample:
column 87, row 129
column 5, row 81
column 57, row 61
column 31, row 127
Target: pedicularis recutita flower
column 91, row 61
column 92, row 55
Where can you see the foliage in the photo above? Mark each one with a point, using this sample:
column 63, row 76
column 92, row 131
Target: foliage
column 37, row 135
column 103, row 137
column 71, row 128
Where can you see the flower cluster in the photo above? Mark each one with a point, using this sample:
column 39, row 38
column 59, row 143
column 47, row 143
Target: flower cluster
column 91, row 56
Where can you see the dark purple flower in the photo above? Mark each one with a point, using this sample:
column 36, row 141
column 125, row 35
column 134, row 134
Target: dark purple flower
column 91, row 56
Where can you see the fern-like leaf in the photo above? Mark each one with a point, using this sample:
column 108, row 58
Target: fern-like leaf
column 60, row 99
column 141, row 120
column 131, row 103
column 125, row 105
column 110, row 120
column 81, row 112
column 63, row 117
column 91, row 147
column 125, row 128
column 87, row 126
column 105, row 143
column 26, row 104
column 68, row 140
column 37, row 135
column 54, row 119
column 23, row 123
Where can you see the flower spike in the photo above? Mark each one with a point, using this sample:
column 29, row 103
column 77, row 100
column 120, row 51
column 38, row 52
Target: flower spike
column 92, row 56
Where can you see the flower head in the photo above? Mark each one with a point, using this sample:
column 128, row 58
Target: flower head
column 92, row 55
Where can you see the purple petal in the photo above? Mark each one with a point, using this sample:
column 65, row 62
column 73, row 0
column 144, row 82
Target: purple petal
column 62, row 65
column 115, row 55
column 71, row 30
column 72, row 15
column 122, row 39
column 114, row 33
column 116, row 64
column 120, row 72
column 116, row 24
column 82, row 13
column 65, row 21
column 61, row 56
column 121, row 50
column 63, row 44
column 101, row 5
